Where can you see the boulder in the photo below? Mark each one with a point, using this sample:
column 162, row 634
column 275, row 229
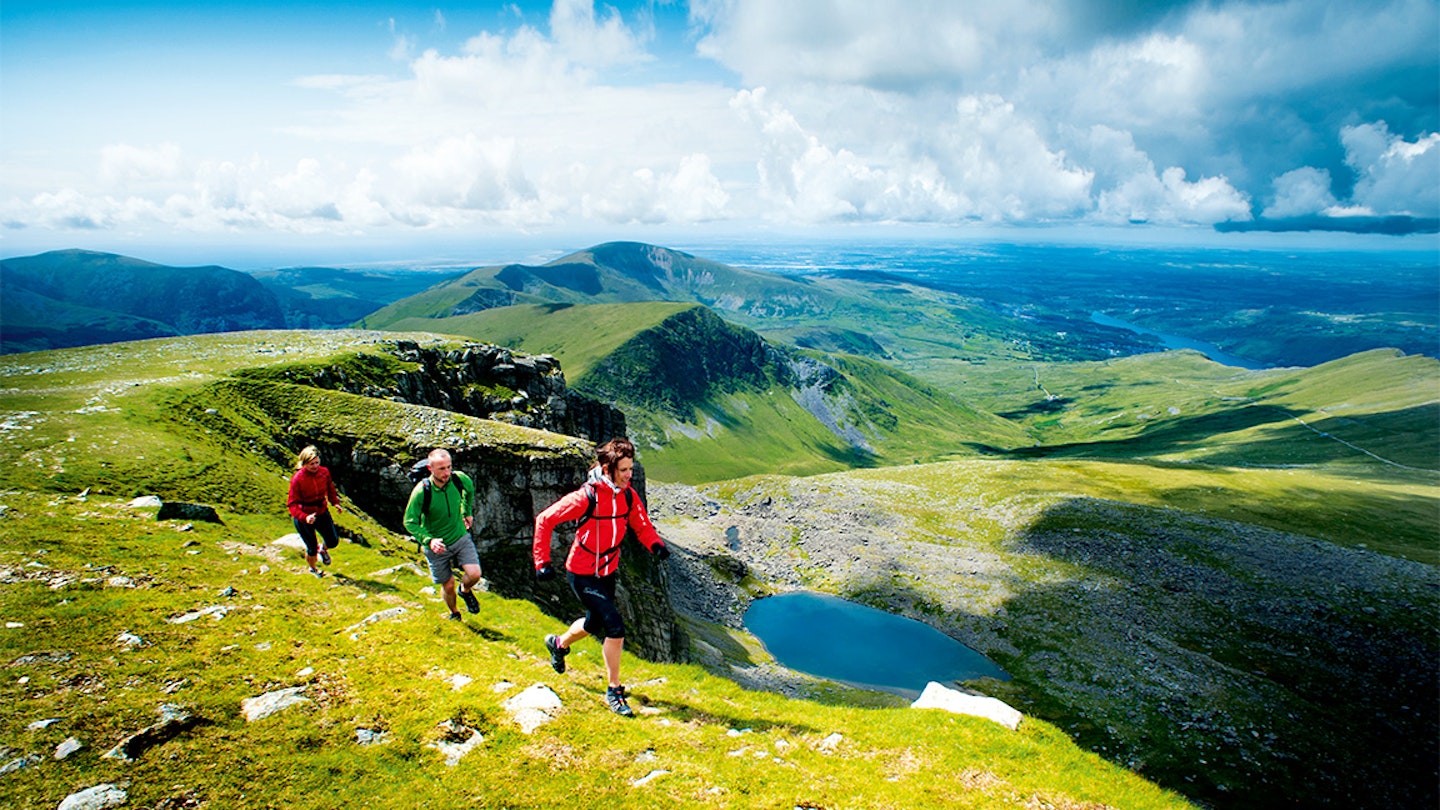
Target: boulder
column 937, row 696
column 534, row 707
column 98, row 797
column 261, row 707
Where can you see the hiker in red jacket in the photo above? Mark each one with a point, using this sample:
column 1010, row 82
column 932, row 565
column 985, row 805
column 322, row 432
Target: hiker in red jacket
column 312, row 492
column 606, row 507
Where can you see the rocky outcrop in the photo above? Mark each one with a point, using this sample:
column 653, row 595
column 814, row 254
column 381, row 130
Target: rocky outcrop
column 475, row 379
column 510, row 489
column 517, row 473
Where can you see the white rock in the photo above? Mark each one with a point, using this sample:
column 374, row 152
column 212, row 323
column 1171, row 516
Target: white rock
column 389, row 613
column 534, row 707
column 395, row 569
column 305, row 673
column 647, row 778
column 40, row 725
column 119, row 582
column 291, row 540
column 458, row 681
column 218, row 611
column 259, row 708
column 829, row 744
column 454, row 752
column 937, row 696
column 367, row 736
column 130, row 640
column 145, row 501
column 95, row 798
column 70, row 746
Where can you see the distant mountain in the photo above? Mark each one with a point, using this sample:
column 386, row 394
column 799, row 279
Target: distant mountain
column 614, row 272
column 332, row 298
column 877, row 315
column 77, row 297
column 709, row 399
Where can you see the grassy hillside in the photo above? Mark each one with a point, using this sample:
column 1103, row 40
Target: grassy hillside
column 1374, row 413
column 708, row 401
column 1230, row 633
column 100, row 602
column 579, row 336
column 61, row 291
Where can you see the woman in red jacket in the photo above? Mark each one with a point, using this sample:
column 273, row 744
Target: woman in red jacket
column 312, row 492
column 606, row 507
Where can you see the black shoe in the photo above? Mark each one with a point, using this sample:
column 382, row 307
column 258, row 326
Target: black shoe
column 455, row 616
column 471, row 603
column 324, row 556
column 317, row 572
column 615, row 699
column 557, row 653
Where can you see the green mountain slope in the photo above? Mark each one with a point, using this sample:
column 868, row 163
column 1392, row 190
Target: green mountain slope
column 875, row 315
column 1230, row 633
column 68, row 286
column 112, row 616
column 331, row 298
column 614, row 272
column 710, row 400
column 1374, row 411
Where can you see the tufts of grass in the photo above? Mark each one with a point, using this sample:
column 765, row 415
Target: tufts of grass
column 77, row 574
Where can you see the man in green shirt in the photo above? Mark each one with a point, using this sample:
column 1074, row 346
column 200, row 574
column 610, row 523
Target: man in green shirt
column 443, row 528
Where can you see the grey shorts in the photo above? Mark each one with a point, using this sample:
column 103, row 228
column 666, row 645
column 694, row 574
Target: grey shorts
column 460, row 552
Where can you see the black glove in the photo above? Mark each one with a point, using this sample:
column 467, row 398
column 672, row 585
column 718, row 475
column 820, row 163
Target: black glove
column 544, row 572
column 661, row 551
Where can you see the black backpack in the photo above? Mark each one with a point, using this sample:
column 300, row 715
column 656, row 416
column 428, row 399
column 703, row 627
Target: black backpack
column 420, row 471
column 590, row 506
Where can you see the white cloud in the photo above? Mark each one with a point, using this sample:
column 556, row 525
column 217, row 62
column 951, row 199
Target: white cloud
column 464, row 172
column 849, row 111
column 1301, row 192
column 592, row 42
column 1393, row 176
column 125, row 165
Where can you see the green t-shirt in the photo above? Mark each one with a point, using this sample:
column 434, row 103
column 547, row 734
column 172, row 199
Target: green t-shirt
column 449, row 506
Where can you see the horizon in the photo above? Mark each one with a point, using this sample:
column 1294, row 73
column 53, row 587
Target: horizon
column 400, row 131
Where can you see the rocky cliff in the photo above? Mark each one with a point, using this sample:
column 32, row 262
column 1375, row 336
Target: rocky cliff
column 372, row 414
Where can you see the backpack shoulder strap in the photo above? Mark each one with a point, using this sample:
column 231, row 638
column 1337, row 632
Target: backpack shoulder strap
column 425, row 503
column 589, row 491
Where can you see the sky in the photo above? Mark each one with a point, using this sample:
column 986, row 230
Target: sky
column 395, row 129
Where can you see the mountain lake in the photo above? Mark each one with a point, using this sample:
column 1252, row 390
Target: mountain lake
column 844, row 641
column 1210, row 350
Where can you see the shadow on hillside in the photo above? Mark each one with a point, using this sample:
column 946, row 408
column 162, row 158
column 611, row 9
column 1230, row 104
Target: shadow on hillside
column 685, row 713
column 487, row 633
column 369, row 586
column 1391, row 521
column 1405, row 437
column 1238, row 666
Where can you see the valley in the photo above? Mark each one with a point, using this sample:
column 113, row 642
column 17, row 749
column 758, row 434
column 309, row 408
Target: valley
column 1222, row 580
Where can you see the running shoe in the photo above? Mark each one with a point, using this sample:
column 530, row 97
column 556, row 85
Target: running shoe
column 471, row 603
column 318, row 573
column 455, row 616
column 325, row 556
column 615, row 699
column 557, row 653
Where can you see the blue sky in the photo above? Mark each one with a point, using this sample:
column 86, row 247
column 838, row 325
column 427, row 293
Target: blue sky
column 398, row 128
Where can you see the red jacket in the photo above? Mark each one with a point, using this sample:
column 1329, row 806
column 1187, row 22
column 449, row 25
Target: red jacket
column 309, row 493
column 596, row 549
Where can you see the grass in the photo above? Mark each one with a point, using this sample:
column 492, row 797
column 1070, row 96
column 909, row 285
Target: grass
column 89, row 429
column 1146, row 608
column 719, row 744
